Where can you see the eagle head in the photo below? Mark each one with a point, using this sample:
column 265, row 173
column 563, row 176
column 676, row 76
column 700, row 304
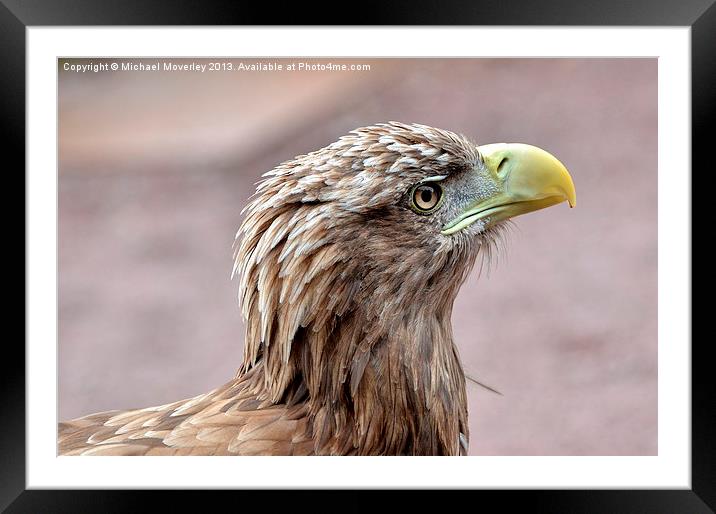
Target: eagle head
column 350, row 258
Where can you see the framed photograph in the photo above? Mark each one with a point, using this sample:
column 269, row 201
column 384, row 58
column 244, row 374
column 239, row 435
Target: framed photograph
column 276, row 257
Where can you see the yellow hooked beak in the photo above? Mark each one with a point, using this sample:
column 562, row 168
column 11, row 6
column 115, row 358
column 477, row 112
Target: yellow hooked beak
column 528, row 179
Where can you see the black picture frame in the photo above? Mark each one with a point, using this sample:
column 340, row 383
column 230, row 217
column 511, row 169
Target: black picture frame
column 17, row 15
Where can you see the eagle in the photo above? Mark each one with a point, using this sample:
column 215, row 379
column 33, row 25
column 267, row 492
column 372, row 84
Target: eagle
column 350, row 258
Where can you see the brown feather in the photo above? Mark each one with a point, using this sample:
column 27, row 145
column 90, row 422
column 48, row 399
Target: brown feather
column 347, row 296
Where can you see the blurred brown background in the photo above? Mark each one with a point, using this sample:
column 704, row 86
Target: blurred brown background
column 155, row 168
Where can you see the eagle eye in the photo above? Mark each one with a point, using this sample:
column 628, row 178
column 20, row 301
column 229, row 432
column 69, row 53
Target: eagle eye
column 426, row 197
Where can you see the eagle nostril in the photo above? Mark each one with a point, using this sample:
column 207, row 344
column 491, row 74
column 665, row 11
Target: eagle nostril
column 501, row 168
